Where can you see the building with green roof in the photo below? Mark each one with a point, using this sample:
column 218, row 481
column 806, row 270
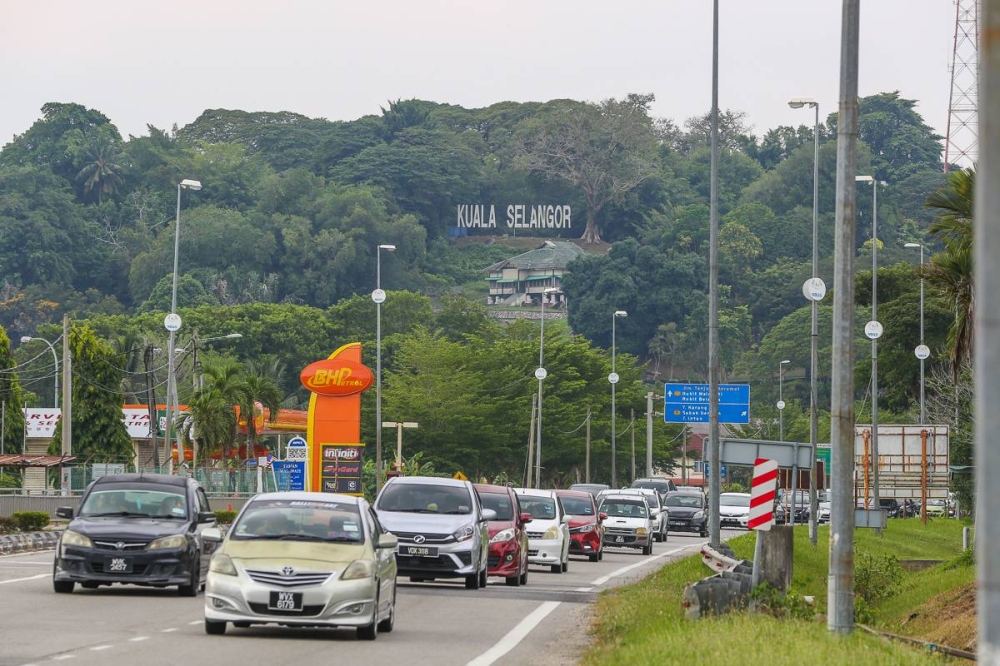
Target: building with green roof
column 524, row 279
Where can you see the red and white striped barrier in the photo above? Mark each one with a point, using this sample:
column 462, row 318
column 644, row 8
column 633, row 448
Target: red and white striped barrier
column 764, row 487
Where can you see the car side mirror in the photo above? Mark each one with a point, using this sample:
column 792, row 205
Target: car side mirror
column 565, row 518
column 65, row 512
column 212, row 535
column 207, row 517
column 525, row 518
column 489, row 514
column 602, row 516
column 388, row 540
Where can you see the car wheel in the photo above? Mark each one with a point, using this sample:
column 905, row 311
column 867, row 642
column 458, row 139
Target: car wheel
column 472, row 581
column 557, row 568
column 703, row 534
column 594, row 557
column 369, row 632
column 63, row 586
column 191, row 589
column 417, row 579
column 483, row 578
column 524, row 575
column 565, row 564
column 387, row 625
column 215, row 628
column 647, row 549
column 513, row 581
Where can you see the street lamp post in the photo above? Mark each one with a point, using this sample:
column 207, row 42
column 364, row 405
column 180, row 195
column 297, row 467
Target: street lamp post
column 781, row 399
column 55, row 361
column 193, row 185
column 613, row 379
column 198, row 379
column 874, row 330
column 379, row 296
column 798, row 103
column 399, row 425
column 922, row 352
column 541, row 374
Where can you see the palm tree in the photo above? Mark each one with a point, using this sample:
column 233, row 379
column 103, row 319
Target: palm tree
column 951, row 269
column 101, row 170
column 259, row 390
column 214, row 419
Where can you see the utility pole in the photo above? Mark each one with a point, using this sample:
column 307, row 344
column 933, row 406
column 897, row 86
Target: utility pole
column 649, row 434
column 840, row 601
column 67, row 408
column 587, row 464
column 154, row 422
column 714, row 479
column 531, row 442
column 633, row 444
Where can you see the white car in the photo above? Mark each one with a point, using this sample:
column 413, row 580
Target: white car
column 657, row 512
column 628, row 524
column 548, row 531
column 303, row 559
column 823, row 509
column 734, row 509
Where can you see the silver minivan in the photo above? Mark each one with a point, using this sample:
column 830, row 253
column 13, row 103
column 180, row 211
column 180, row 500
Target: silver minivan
column 441, row 527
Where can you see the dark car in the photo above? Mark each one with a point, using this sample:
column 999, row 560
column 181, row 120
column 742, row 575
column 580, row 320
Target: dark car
column 508, row 540
column 891, row 506
column 686, row 512
column 586, row 525
column 139, row 529
column 660, row 484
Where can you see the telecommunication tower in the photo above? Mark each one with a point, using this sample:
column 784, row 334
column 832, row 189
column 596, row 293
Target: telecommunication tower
column 962, row 141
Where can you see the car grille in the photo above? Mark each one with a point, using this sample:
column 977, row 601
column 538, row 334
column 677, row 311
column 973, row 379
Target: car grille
column 493, row 561
column 138, row 569
column 127, row 546
column 439, row 563
column 618, row 530
column 535, row 535
column 297, row 579
column 307, row 611
column 428, row 537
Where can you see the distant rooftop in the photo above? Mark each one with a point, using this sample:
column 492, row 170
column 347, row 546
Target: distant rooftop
column 549, row 255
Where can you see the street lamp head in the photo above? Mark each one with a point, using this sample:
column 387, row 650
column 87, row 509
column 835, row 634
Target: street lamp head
column 799, row 102
column 191, row 184
column 26, row 338
column 233, row 336
column 390, row 248
column 865, row 179
column 785, row 361
column 913, row 246
column 621, row 313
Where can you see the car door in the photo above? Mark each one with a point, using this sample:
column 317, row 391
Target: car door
column 206, row 548
column 563, row 527
column 385, row 560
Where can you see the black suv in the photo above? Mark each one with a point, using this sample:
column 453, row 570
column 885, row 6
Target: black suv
column 139, row 529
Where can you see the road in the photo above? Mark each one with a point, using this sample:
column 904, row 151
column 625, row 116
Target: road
column 436, row 623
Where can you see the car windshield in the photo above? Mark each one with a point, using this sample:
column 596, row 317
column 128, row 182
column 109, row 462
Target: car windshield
column 578, row 506
column 592, row 488
column 542, row 508
column 499, row 503
column 689, row 500
column 624, row 508
column 425, row 498
column 652, row 485
column 300, row 520
column 734, row 500
column 936, row 502
column 146, row 502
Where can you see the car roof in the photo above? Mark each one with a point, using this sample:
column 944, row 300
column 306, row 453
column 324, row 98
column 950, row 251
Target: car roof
column 535, row 492
column 581, row 494
column 492, row 488
column 427, row 481
column 142, row 477
column 736, row 494
column 653, row 479
column 303, row 495
column 624, row 496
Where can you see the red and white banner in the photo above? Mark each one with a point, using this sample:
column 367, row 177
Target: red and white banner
column 764, row 487
column 40, row 423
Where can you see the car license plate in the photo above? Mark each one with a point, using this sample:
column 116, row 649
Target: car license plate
column 285, row 601
column 619, row 539
column 418, row 551
column 118, row 565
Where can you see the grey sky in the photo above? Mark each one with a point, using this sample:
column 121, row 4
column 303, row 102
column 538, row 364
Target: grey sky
column 163, row 63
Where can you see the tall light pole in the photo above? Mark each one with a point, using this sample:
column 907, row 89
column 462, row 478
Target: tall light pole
column 873, row 330
column 541, row 374
column 55, row 361
column 173, row 321
column 399, row 425
column 816, row 290
column 781, row 399
column 922, row 351
column 613, row 379
column 379, row 297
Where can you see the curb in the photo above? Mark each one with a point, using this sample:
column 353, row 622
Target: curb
column 27, row 542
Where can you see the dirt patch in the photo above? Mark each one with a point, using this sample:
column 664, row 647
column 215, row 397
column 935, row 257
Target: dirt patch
column 947, row 619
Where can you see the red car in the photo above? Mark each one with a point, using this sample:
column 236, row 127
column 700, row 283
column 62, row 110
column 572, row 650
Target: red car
column 586, row 525
column 508, row 540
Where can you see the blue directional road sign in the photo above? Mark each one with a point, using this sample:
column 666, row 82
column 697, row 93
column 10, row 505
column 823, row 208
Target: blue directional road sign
column 688, row 403
column 291, row 474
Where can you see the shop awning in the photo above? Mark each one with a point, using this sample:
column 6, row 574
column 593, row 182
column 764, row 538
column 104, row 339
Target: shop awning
column 33, row 460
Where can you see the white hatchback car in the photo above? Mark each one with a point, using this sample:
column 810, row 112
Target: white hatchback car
column 548, row 531
column 734, row 509
column 629, row 524
column 657, row 512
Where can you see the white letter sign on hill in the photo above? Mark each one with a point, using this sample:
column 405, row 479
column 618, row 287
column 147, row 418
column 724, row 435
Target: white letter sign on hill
column 765, row 475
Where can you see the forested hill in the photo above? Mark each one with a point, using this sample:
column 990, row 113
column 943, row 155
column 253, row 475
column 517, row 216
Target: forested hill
column 292, row 209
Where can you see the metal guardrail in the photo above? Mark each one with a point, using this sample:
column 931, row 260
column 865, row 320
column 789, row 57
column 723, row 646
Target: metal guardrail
column 11, row 503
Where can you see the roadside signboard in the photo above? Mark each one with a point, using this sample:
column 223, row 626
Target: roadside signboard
column 688, row 403
column 341, row 468
column 763, row 489
column 289, row 474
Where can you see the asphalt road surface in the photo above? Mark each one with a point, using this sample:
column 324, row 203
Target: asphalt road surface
column 437, row 623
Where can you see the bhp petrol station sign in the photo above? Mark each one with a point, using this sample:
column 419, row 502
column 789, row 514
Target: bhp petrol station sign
column 333, row 430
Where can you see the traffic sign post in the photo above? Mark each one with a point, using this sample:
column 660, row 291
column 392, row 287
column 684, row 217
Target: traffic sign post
column 688, row 403
column 763, row 490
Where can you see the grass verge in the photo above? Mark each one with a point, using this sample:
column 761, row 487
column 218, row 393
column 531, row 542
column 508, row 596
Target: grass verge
column 645, row 624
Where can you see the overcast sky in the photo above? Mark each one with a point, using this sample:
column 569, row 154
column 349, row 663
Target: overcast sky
column 163, row 63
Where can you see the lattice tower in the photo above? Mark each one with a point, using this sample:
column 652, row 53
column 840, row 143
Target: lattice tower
column 961, row 146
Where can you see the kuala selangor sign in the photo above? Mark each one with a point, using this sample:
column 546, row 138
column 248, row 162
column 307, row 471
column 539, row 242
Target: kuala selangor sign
column 519, row 216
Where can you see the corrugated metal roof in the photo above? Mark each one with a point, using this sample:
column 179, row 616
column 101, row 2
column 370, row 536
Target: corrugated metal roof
column 33, row 460
column 549, row 255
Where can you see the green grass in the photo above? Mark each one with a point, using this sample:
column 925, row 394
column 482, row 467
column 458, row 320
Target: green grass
column 645, row 624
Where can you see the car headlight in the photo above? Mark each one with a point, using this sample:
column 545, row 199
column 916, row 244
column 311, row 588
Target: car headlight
column 551, row 533
column 168, row 543
column 503, row 535
column 698, row 516
column 359, row 569
column 641, row 530
column 222, row 564
column 586, row 528
column 464, row 533
column 70, row 538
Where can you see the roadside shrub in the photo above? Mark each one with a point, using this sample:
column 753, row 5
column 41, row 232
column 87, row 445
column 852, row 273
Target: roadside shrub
column 225, row 516
column 733, row 488
column 7, row 525
column 31, row 521
column 966, row 559
column 876, row 576
column 8, row 481
column 767, row 599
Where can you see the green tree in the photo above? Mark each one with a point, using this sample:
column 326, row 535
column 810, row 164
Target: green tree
column 101, row 169
column 12, row 396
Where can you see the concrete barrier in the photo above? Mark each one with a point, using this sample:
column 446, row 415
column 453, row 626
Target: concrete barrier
column 27, row 542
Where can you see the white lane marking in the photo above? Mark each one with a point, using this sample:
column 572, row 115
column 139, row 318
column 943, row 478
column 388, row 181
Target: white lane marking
column 98, row 648
column 515, row 635
column 167, row 631
column 191, row 624
column 618, row 572
column 21, row 580
column 34, row 552
column 62, row 657
column 21, row 563
column 583, row 589
column 139, row 638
